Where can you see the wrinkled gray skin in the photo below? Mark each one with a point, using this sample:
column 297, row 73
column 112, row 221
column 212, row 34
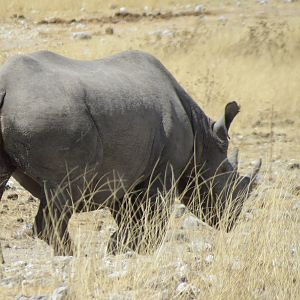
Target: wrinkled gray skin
column 114, row 118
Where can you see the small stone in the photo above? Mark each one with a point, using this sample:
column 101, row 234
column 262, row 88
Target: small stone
column 248, row 216
column 293, row 251
column 199, row 246
column 10, row 185
column 187, row 290
column 209, row 259
column 236, row 265
column 296, row 205
column 191, row 222
column 181, row 287
column 81, row 35
column 60, row 293
column 180, row 210
column 12, row 196
column 123, row 11
column 199, row 8
column 223, row 20
column 20, row 220
column 109, row 30
column 118, row 274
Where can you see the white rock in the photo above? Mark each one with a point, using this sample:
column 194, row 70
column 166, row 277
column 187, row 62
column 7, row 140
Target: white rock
column 118, row 274
column 248, row 216
column 209, row 259
column 293, row 251
column 182, row 270
column 180, row 209
column 81, row 35
column 60, row 293
column 182, row 287
column 236, row 265
column 123, row 11
column 199, row 246
column 9, row 184
column 188, row 290
column 199, row 8
column 296, row 205
column 223, row 20
column 191, row 222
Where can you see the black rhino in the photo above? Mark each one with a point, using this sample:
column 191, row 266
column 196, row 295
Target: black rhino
column 107, row 126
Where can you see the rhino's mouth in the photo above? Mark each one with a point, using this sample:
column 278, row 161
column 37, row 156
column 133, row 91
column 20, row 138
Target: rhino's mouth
column 223, row 195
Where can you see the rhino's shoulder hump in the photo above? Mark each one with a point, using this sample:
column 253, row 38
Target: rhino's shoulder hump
column 21, row 62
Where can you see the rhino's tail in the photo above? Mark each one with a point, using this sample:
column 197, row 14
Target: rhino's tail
column 6, row 167
column 2, row 95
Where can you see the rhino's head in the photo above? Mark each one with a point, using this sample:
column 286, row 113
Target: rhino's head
column 220, row 187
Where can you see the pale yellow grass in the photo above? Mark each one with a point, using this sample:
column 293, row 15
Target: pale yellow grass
column 259, row 259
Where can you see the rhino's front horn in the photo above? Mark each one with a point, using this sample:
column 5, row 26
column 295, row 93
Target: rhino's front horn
column 256, row 168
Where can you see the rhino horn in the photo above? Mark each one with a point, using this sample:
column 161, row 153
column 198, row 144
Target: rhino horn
column 221, row 127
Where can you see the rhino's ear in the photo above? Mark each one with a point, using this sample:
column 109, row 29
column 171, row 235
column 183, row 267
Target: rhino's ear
column 221, row 127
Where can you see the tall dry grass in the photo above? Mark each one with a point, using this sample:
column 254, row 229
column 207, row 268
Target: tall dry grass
column 258, row 259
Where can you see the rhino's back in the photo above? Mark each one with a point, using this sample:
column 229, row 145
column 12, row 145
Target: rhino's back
column 121, row 112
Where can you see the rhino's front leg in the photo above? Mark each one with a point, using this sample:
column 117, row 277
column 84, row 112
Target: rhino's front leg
column 51, row 225
column 141, row 219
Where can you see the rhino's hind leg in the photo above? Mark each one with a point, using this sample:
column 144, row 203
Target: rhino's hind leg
column 6, row 170
column 141, row 219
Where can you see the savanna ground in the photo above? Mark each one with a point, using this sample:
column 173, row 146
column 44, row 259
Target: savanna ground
column 248, row 51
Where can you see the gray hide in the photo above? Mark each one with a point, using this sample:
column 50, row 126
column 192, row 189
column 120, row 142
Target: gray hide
column 106, row 126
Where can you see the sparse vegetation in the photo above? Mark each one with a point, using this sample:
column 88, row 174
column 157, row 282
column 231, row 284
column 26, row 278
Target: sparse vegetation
column 253, row 57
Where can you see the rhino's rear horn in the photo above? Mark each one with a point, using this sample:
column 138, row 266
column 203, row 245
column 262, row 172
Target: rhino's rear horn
column 221, row 127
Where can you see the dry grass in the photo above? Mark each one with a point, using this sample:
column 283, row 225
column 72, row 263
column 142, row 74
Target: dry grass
column 259, row 259
column 254, row 58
